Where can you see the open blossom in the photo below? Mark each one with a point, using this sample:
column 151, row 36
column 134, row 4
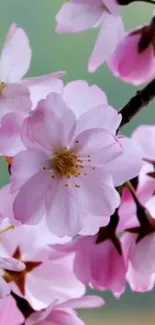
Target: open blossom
column 99, row 265
column 55, row 278
column 70, row 167
column 9, row 312
column 133, row 59
column 18, row 96
column 77, row 16
column 63, row 313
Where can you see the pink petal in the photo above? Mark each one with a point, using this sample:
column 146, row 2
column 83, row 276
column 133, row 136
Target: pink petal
column 96, row 195
column 81, row 97
column 15, row 98
column 144, row 247
column 25, row 165
column 39, row 316
column 127, row 211
column 82, row 266
column 74, row 18
column 144, row 135
column 6, row 203
column 111, row 29
column 64, row 217
column 15, row 59
column 83, row 302
column 97, row 143
column 9, row 313
column 108, row 268
column 112, row 6
column 138, row 281
column 65, row 317
column 42, row 129
column 4, row 289
column 140, row 66
column 29, row 203
column 40, row 87
column 103, row 116
column 57, row 282
column 10, row 139
column 91, row 225
column 11, row 264
column 127, row 165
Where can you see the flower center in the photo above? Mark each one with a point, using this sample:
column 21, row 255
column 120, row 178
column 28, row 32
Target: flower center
column 65, row 163
column 2, row 86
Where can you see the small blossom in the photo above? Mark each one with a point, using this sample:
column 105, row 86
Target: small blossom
column 64, row 164
column 75, row 17
column 133, row 59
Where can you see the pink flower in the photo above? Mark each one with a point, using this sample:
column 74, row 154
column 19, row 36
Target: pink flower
column 74, row 165
column 17, row 96
column 78, row 16
column 63, row 314
column 65, row 164
column 56, row 279
column 81, row 97
column 9, row 313
column 98, row 264
column 133, row 59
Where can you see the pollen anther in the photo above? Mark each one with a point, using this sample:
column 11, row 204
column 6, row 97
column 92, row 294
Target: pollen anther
column 65, row 163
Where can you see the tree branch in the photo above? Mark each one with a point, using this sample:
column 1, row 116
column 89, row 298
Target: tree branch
column 138, row 102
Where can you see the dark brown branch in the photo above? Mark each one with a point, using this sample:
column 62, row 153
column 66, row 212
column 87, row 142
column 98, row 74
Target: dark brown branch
column 137, row 103
column 126, row 2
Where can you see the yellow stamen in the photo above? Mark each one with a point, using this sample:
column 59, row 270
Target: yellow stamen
column 65, row 163
column 6, row 229
column 2, row 86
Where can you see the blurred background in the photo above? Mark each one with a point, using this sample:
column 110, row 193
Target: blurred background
column 53, row 52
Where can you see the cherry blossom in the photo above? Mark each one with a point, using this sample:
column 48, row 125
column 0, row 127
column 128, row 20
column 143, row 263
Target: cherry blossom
column 79, row 206
column 75, row 166
column 78, row 16
column 133, row 59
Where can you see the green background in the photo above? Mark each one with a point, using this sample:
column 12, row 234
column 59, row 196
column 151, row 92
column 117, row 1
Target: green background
column 52, row 52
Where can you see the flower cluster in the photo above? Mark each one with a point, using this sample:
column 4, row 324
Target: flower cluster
column 79, row 209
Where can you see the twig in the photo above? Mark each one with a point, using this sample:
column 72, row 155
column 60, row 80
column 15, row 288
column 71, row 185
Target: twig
column 137, row 103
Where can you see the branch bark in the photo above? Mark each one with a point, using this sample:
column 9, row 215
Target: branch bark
column 137, row 103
